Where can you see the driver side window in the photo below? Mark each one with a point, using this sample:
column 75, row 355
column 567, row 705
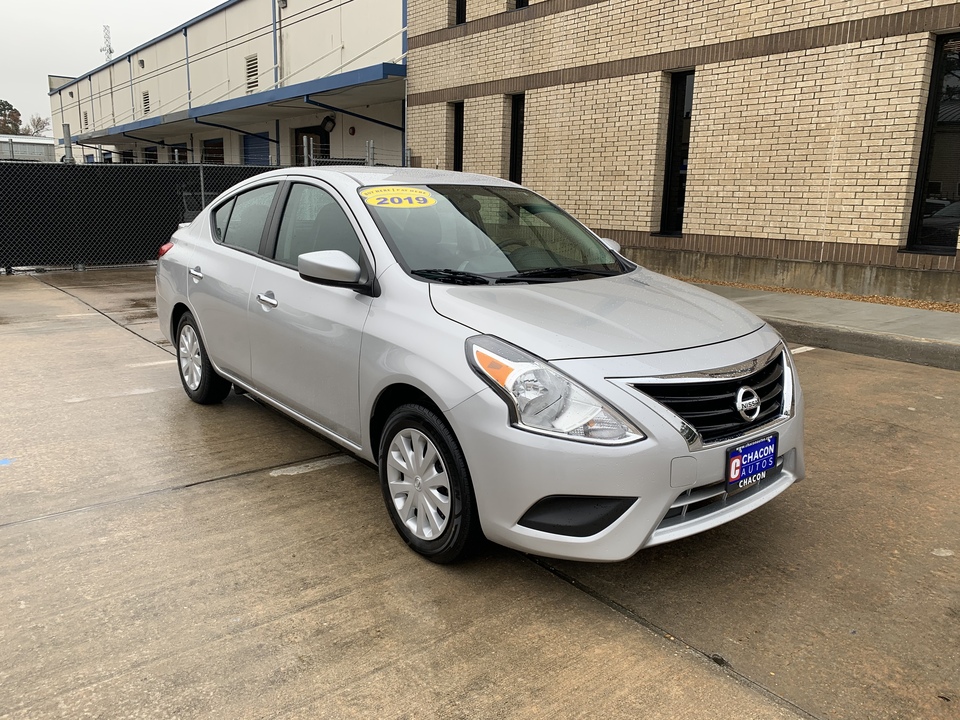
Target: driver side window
column 313, row 220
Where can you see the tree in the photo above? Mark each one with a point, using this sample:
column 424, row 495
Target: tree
column 9, row 119
column 35, row 126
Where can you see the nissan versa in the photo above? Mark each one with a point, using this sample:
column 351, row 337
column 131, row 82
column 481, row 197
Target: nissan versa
column 509, row 373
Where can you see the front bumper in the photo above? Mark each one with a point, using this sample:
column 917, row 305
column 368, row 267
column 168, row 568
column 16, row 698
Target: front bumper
column 671, row 485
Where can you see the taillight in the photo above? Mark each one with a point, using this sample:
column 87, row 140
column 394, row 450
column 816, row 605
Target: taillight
column 164, row 249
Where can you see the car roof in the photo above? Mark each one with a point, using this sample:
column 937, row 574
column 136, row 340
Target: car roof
column 374, row 175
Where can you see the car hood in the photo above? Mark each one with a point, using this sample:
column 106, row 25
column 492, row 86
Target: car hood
column 636, row 313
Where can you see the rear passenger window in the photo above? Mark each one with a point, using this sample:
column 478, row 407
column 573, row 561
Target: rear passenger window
column 239, row 223
column 313, row 220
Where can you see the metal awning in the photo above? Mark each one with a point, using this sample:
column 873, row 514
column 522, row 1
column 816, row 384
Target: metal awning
column 373, row 85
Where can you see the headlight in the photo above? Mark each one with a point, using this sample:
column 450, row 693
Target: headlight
column 544, row 400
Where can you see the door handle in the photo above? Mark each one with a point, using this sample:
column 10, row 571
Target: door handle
column 267, row 298
column 195, row 272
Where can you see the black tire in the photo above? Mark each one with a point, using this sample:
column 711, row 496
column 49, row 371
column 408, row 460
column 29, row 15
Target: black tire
column 200, row 381
column 460, row 532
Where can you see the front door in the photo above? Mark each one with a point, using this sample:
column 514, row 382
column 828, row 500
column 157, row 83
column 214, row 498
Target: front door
column 305, row 337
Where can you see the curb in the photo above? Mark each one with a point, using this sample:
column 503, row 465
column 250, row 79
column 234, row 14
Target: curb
column 920, row 351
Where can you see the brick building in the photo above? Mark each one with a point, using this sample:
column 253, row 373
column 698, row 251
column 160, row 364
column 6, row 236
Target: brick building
column 773, row 141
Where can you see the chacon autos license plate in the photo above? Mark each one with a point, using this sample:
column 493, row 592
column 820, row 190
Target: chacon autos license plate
column 750, row 463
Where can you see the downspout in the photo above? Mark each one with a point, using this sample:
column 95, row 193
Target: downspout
column 276, row 42
column 186, row 53
column 133, row 105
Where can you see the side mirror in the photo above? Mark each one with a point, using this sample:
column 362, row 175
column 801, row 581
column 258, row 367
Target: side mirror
column 329, row 266
column 611, row 244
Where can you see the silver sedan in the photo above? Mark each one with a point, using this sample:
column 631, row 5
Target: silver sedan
column 509, row 373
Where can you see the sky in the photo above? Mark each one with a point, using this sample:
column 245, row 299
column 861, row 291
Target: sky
column 64, row 38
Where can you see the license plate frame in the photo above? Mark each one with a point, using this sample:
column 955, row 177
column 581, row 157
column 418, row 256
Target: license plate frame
column 761, row 455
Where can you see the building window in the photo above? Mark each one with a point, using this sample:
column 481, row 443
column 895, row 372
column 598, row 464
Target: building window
column 126, row 157
column 522, row 4
column 936, row 207
column 457, row 109
column 146, row 102
column 678, row 147
column 150, row 156
column 253, row 73
column 459, row 11
column 212, row 151
column 516, row 138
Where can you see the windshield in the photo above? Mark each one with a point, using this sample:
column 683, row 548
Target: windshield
column 469, row 234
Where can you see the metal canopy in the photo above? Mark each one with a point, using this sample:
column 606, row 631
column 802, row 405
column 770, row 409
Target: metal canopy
column 353, row 90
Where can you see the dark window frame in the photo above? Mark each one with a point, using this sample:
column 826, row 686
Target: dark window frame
column 208, row 152
column 517, row 112
column 921, row 190
column 458, row 109
column 674, row 181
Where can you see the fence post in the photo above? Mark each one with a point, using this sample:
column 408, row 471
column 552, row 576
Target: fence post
column 203, row 192
column 371, row 153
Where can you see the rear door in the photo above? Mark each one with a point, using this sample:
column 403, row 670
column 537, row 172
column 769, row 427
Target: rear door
column 221, row 275
column 305, row 337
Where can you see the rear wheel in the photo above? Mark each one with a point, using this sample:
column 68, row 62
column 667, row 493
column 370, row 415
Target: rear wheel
column 200, row 381
column 426, row 485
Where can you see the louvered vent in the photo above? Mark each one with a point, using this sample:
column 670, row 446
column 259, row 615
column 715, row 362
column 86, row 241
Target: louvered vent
column 146, row 102
column 253, row 72
column 86, row 120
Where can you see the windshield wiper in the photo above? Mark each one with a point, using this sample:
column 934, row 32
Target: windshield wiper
column 455, row 277
column 551, row 273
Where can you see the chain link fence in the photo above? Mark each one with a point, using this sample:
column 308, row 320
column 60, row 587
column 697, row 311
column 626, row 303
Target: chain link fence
column 57, row 215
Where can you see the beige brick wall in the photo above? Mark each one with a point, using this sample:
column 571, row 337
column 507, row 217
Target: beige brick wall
column 482, row 8
column 611, row 31
column 430, row 135
column 598, row 149
column 426, row 15
column 486, row 135
column 815, row 145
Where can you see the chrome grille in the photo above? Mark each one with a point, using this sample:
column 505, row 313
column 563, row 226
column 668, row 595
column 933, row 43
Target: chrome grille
column 710, row 406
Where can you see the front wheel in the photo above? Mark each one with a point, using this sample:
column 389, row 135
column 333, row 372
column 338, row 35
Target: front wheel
column 200, row 381
column 426, row 485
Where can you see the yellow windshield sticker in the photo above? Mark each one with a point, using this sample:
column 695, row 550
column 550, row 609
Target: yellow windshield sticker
column 398, row 197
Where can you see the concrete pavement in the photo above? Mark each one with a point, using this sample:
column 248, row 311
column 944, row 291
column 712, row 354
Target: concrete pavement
column 166, row 560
